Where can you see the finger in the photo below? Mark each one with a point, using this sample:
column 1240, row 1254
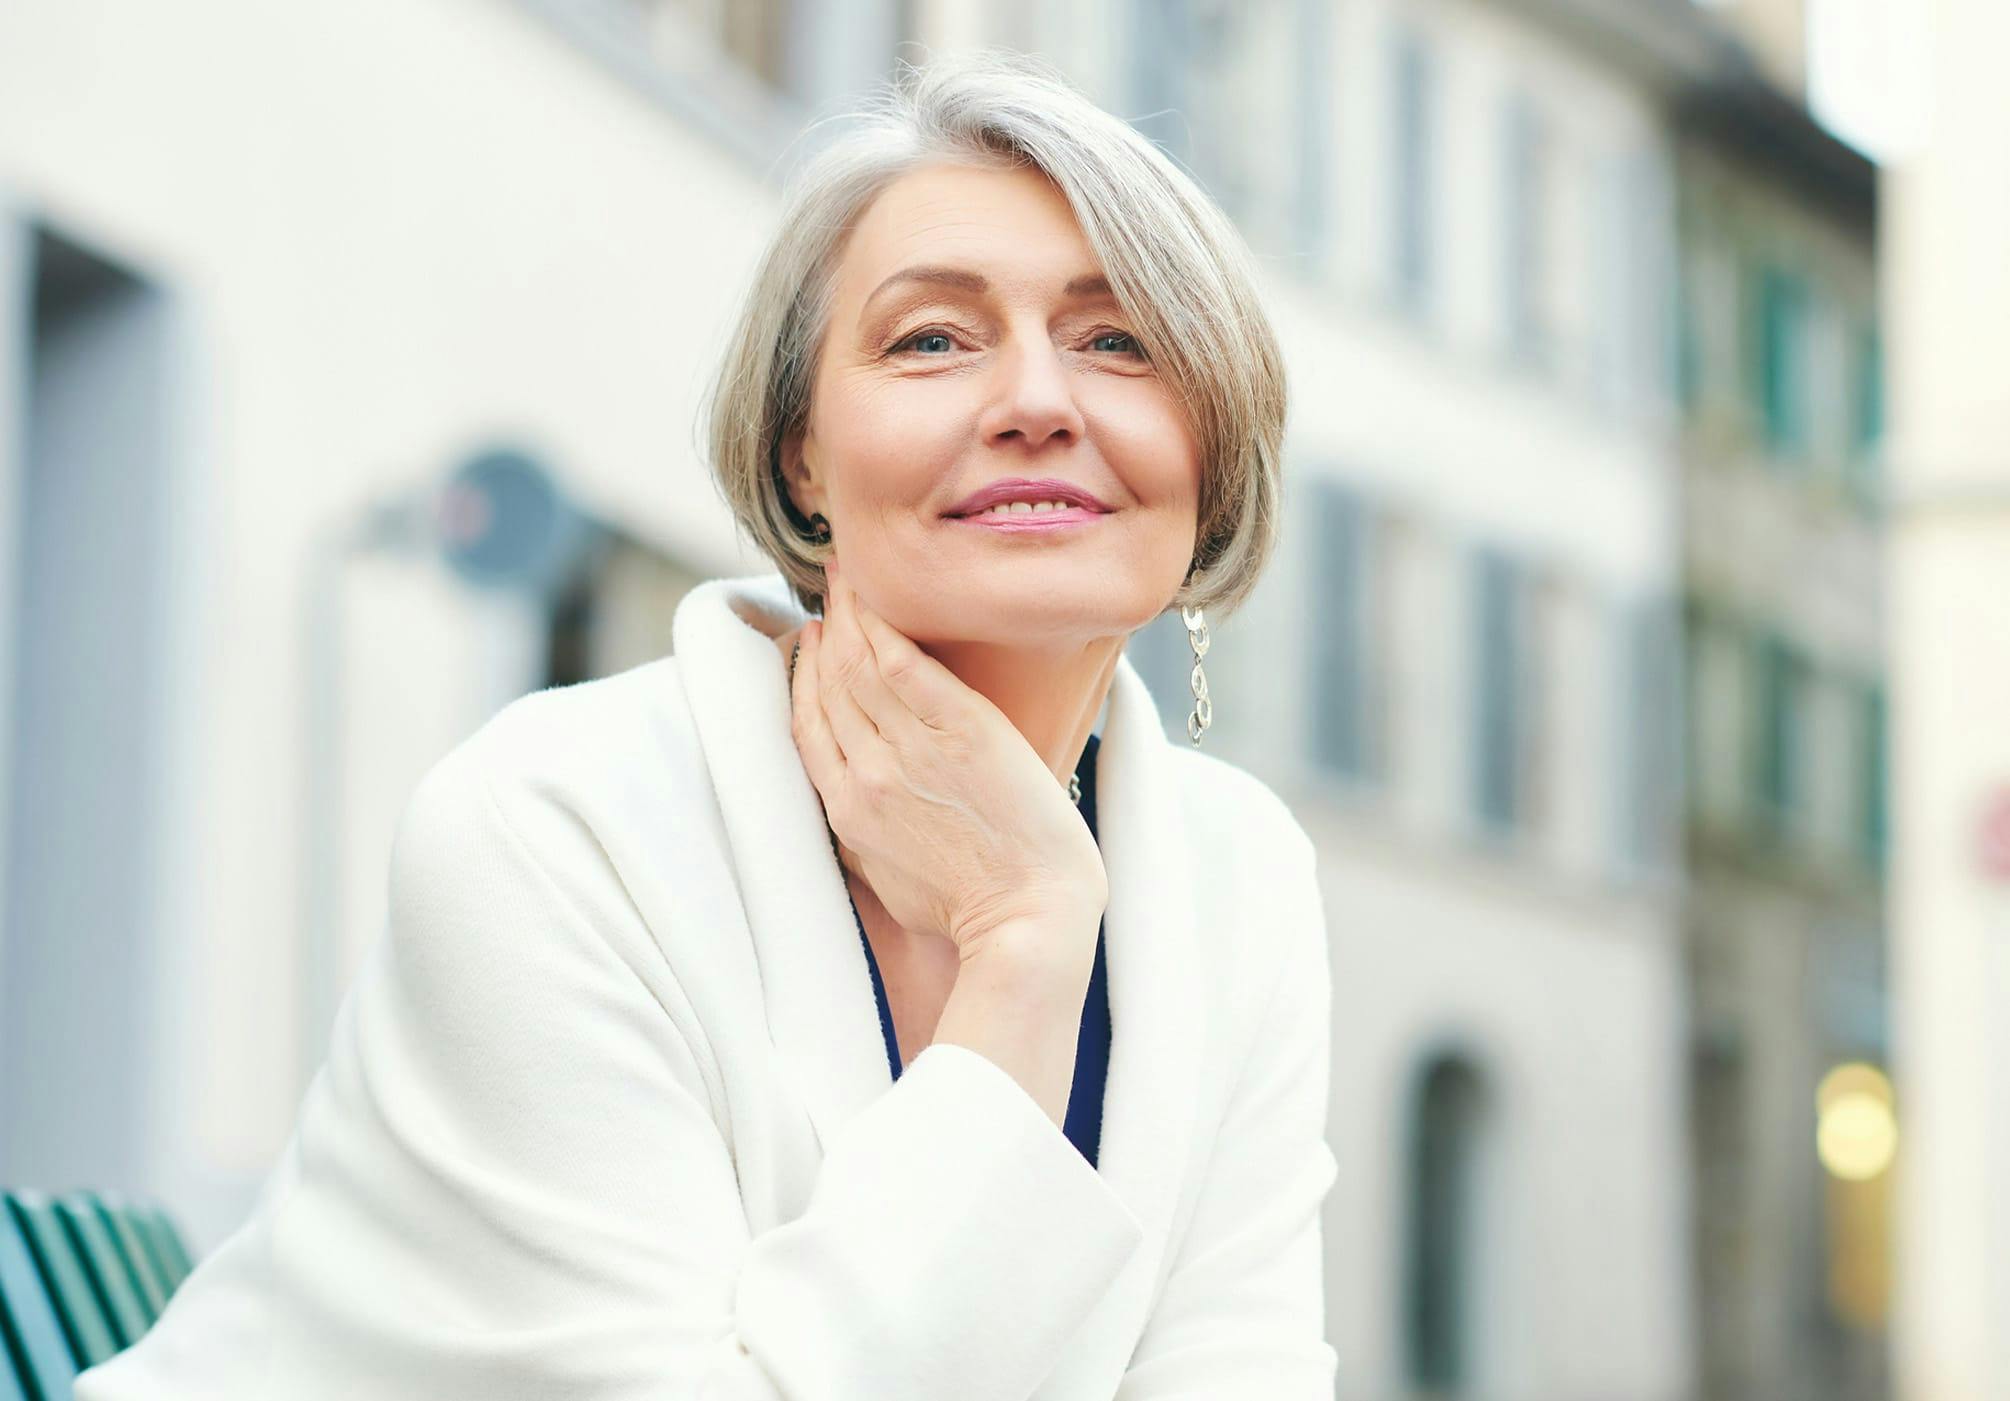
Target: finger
column 818, row 746
column 890, row 714
column 844, row 655
column 926, row 688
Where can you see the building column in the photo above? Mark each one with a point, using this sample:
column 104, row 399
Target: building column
column 1947, row 207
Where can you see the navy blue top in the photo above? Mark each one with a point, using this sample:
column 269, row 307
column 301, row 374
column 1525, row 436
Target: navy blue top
column 1084, row 1124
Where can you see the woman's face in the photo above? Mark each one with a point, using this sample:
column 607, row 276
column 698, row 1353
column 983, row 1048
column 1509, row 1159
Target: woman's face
column 1000, row 360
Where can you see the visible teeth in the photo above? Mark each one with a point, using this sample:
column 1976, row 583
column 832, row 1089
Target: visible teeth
column 1024, row 508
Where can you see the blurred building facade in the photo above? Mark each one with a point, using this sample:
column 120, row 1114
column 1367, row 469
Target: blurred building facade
column 341, row 263
column 1780, row 376
column 1781, row 384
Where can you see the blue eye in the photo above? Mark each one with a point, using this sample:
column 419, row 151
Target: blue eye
column 1135, row 348
column 927, row 334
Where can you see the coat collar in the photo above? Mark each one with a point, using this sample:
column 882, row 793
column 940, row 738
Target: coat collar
column 816, row 987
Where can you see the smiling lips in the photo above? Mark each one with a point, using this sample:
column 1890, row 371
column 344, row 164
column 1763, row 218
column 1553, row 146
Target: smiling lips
column 1029, row 493
column 1022, row 517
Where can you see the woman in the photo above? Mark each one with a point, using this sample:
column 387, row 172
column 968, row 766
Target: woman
column 767, row 1021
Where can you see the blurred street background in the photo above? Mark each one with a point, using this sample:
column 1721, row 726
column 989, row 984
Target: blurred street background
column 1638, row 651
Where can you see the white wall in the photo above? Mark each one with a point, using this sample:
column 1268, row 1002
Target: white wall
column 402, row 229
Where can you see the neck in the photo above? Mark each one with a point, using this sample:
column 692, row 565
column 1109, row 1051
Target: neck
column 1050, row 694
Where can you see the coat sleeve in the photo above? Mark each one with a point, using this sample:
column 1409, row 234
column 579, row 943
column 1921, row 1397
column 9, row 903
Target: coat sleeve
column 1242, row 1312
column 509, row 1182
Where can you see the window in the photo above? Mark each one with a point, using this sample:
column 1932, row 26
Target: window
column 1413, row 123
column 1689, row 293
column 1869, row 387
column 1525, row 163
column 1500, row 693
column 1779, row 677
column 1874, row 741
column 1312, row 138
column 1782, row 366
column 1626, row 261
column 1442, row 1227
column 1867, row 409
column 1345, row 720
column 1697, row 635
column 1650, row 730
column 101, row 630
column 1647, row 274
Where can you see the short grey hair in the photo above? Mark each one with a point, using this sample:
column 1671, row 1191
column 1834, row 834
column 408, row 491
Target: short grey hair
column 1177, row 266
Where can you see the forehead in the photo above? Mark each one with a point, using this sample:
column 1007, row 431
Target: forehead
column 1013, row 225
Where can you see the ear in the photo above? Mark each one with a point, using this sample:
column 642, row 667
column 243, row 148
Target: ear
column 799, row 473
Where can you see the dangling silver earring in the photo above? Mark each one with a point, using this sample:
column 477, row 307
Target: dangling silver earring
column 1203, row 711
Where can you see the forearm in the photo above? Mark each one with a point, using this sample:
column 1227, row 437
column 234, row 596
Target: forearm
column 1018, row 1003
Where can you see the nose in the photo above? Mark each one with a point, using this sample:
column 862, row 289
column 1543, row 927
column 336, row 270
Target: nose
column 1033, row 396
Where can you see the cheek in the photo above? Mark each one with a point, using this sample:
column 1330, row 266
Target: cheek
column 1146, row 442
column 888, row 449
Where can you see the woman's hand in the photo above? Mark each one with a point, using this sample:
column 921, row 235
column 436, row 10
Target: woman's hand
column 948, row 814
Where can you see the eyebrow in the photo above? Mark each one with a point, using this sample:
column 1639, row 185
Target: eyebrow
column 1089, row 284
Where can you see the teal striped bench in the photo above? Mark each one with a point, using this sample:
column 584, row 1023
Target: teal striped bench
column 81, row 1277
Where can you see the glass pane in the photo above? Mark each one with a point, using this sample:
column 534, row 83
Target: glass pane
column 1498, row 646
column 1340, row 676
column 1412, row 156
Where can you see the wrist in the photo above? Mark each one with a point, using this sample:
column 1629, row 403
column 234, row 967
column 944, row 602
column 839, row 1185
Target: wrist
column 1030, row 956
